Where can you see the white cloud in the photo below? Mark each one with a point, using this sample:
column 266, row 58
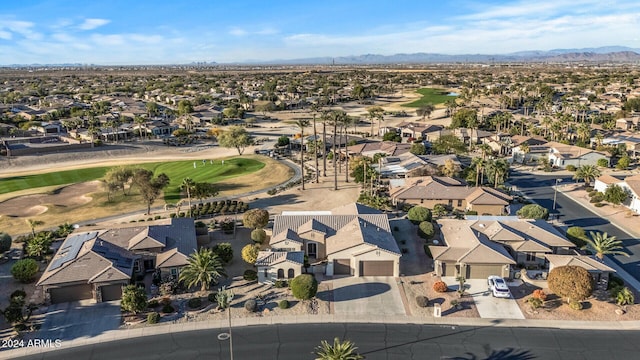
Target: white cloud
column 107, row 40
column 238, row 32
column 90, row 24
column 5, row 35
column 24, row 28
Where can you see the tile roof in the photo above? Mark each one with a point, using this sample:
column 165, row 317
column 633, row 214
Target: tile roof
column 608, row 179
column 269, row 258
column 587, row 262
column 445, row 188
column 468, row 246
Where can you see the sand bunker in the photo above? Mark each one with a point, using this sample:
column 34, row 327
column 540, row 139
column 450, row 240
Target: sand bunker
column 32, row 205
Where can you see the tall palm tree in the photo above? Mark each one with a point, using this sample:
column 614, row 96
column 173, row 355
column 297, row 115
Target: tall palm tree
column 375, row 112
column 346, row 121
column 325, row 117
column 140, row 121
column 336, row 119
column 499, row 168
column 588, row 173
column 524, row 149
column 602, row 244
column 301, row 124
column 203, row 269
column 340, row 350
column 315, row 108
column 188, row 185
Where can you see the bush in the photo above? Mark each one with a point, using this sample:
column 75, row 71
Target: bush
column 153, row 318
column 597, row 198
column 25, row 270
column 212, row 297
column 168, row 309
column 577, row 236
column 304, row 286
column 613, row 291
column 5, row 242
column 625, row 297
column 571, row 282
column 250, row 305
column 255, row 218
column 153, row 303
column 535, row 302
column 570, row 167
column 593, row 193
column 258, row 236
column 283, row 304
column 250, row 253
column 422, row 301
column 134, row 299
column 615, row 281
column 599, row 204
column 471, row 212
column 224, row 251
column 533, row 211
column 575, row 305
column 194, row 303
column 603, row 162
column 425, row 230
column 281, row 284
column 440, row 286
column 418, row 214
column 250, row 275
column 588, row 188
column 539, row 294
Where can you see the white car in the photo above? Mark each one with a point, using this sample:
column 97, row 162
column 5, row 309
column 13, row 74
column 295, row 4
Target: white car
column 498, row 287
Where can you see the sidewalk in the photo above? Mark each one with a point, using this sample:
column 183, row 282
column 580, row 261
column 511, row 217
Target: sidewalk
column 220, row 326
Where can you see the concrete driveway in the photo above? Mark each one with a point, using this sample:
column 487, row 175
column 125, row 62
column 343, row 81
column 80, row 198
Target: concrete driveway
column 488, row 306
column 368, row 295
column 79, row 319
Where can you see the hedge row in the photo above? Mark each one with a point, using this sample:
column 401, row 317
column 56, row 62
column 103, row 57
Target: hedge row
column 209, row 209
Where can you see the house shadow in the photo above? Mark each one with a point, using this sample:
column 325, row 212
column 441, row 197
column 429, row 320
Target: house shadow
column 359, row 291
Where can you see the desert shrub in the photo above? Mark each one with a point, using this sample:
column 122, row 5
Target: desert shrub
column 258, row 236
column 625, row 297
column 211, row 297
column 224, row 251
column 615, row 281
column 425, row 230
column 153, row 318
column 570, row 167
column 168, row 309
column 571, row 282
column 597, row 198
column 533, row 211
column 422, row 301
column 250, row 253
column 599, row 204
column 25, row 270
column 194, row 303
column 603, row 163
column 165, row 300
column 255, row 218
column 18, row 293
column 153, row 303
column 250, row 275
column 534, row 302
column 418, row 214
column 575, row 305
column 593, row 193
column 471, row 212
column 283, row 304
column 304, row 286
column 250, row 305
column 440, row 286
column 5, row 242
column 134, row 299
column 280, row 284
column 539, row 294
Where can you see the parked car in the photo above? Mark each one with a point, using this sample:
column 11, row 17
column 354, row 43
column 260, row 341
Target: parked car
column 498, row 287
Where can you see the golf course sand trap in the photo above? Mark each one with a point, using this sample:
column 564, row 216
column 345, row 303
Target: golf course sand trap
column 31, row 205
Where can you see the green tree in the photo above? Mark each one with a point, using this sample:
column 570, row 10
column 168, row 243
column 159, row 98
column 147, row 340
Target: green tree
column 301, row 124
column 498, row 170
column 463, row 118
column 258, row 236
column 64, row 230
column 418, row 214
column 18, row 312
column 615, row 194
column 188, row 185
column 203, row 190
column 39, row 245
column 250, row 253
column 236, row 137
column 150, row 186
column 391, row 136
column 33, row 224
column 603, row 162
column 577, row 236
column 255, row 218
column 304, row 286
column 425, row 110
column 283, row 141
column 426, row 230
column 224, row 251
column 587, row 173
column 340, row 350
column 623, row 163
column 204, row 268
column 134, row 299
column 448, row 144
column 25, row 270
column 373, row 113
column 533, row 211
column 185, row 107
column 418, row 149
column 571, row 282
column 5, row 242
column 602, row 244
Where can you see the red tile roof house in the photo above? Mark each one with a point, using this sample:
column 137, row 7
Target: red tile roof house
column 96, row 264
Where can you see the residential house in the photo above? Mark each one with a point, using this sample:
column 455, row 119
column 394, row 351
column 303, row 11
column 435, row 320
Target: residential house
column 353, row 240
column 629, row 140
column 369, row 149
column 630, row 184
column 413, row 130
column 279, row 265
column 561, row 155
column 485, row 246
column 95, row 264
column 411, row 165
column 428, row 191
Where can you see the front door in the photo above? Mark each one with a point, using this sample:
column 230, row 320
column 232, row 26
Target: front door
column 312, row 249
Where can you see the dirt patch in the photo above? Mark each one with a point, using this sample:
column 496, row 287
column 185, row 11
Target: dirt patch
column 422, row 285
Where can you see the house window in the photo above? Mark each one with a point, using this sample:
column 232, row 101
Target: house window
column 421, row 201
column 312, row 249
column 531, row 256
column 280, row 273
column 450, row 202
column 136, row 266
column 174, row 273
column 459, row 203
column 291, row 273
column 266, row 273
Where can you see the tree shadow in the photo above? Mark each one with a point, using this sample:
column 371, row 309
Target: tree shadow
column 504, row 354
column 359, row 291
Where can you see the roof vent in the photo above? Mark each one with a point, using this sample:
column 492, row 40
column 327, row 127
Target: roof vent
column 481, row 225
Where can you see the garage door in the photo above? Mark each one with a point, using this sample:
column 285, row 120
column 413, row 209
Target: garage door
column 111, row 292
column 71, row 293
column 376, row 268
column 342, row 267
column 483, row 271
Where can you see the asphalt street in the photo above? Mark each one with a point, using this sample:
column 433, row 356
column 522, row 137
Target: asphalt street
column 540, row 188
column 375, row 341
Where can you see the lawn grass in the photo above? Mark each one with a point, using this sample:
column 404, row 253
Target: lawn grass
column 430, row 96
column 175, row 170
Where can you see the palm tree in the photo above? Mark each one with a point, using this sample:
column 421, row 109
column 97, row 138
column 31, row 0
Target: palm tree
column 315, row 108
column 375, row 112
column 33, row 223
column 524, row 149
column 65, row 229
column 39, row 245
column 204, row 268
column 325, row 117
column 340, row 350
column 336, row 119
column 587, row 173
column 187, row 185
column 140, row 121
column 301, row 124
column 499, row 168
column 602, row 244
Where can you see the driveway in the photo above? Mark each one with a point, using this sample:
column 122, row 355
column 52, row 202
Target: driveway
column 79, row 319
column 488, row 306
column 368, row 295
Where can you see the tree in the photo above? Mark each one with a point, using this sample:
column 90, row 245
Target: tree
column 250, row 253
column 185, row 107
column 391, row 136
column 418, row 214
column 463, row 118
column 602, row 244
column 25, row 270
column 373, row 113
column 448, row 144
column 344, row 350
column 32, row 224
column 603, row 162
column 150, row 186
column 204, row 268
column 425, row 110
column 283, row 141
column 255, row 218
column 623, row 163
column 202, row 190
column 524, row 149
column 224, row 251
column 425, row 229
column 533, row 211
column 39, row 245
column 418, row 149
column 499, row 170
column 615, row 194
column 118, row 177
column 258, row 236
column 304, row 286
column 18, row 312
column 588, row 173
column 5, row 242
column 187, row 185
column 64, row 230
column 301, row 124
column 449, row 168
column 577, row 236
column 134, row 299
column 235, row 137
column 571, row 282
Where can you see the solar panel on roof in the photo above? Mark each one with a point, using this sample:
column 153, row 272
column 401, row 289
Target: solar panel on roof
column 71, row 248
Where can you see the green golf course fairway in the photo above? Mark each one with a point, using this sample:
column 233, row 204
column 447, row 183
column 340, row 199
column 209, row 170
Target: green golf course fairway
column 175, row 170
column 430, row 96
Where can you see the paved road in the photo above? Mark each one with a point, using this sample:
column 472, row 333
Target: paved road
column 375, row 341
column 540, row 189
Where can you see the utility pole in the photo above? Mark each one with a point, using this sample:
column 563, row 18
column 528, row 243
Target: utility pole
column 555, row 193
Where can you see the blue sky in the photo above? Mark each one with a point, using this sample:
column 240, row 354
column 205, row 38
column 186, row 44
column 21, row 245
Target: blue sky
column 166, row 32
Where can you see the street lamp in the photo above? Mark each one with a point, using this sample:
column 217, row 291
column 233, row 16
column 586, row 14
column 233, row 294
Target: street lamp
column 555, row 193
column 224, row 298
